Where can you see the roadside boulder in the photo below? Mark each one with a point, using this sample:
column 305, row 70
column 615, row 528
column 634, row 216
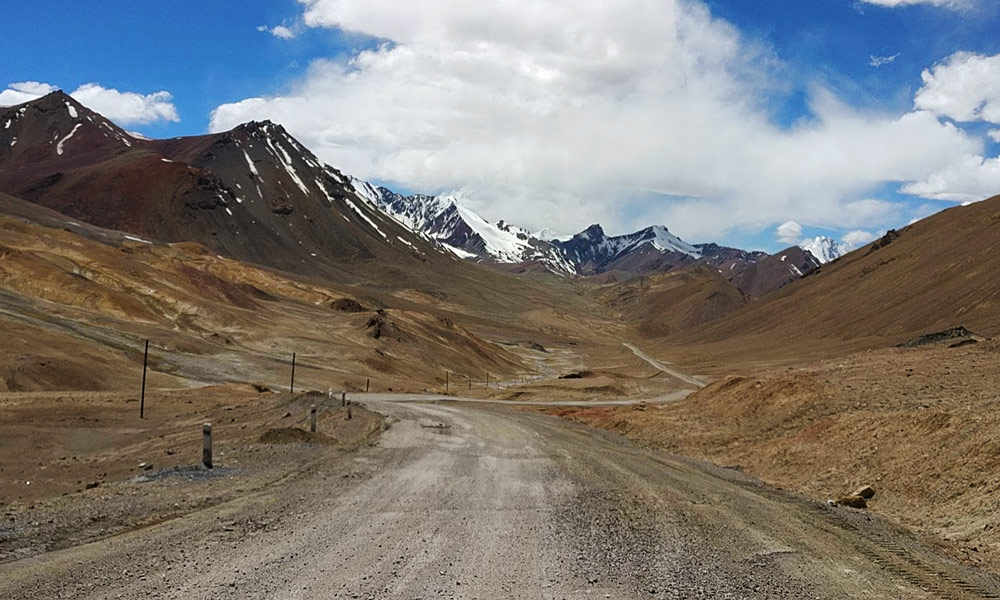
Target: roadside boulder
column 866, row 491
column 853, row 501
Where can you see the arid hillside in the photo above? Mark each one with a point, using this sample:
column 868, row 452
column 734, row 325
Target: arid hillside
column 930, row 276
column 78, row 312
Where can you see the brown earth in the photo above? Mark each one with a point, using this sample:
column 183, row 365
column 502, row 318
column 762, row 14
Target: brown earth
column 918, row 425
column 933, row 275
column 77, row 466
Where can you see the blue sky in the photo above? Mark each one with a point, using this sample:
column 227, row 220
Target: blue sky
column 802, row 72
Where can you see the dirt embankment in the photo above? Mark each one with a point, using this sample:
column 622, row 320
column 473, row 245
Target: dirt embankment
column 80, row 465
column 919, row 425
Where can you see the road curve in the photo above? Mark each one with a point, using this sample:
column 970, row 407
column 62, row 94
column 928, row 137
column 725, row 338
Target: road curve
column 689, row 379
column 467, row 501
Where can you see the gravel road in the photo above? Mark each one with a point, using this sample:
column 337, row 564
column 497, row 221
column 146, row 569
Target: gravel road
column 467, row 501
column 657, row 364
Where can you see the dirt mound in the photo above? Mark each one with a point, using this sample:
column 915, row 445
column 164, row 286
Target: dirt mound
column 347, row 305
column 294, row 435
column 948, row 335
column 380, row 327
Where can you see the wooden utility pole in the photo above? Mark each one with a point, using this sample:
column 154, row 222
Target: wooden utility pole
column 291, row 386
column 142, row 397
column 312, row 418
column 446, row 383
column 368, row 382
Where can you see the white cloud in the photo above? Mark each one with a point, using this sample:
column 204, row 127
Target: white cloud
column 964, row 87
column 878, row 61
column 994, row 135
column 557, row 111
column 127, row 108
column 788, row 232
column 279, row 31
column 968, row 180
column 124, row 108
column 857, row 238
column 25, row 91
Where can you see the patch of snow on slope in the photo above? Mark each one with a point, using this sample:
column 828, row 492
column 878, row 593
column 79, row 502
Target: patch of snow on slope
column 253, row 169
column 548, row 235
column 72, row 110
column 286, row 162
column 457, row 251
column 355, row 208
column 366, row 191
column 59, row 146
column 503, row 244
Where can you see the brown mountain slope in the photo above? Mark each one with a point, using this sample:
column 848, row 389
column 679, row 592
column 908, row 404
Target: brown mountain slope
column 252, row 194
column 76, row 313
column 256, row 195
column 935, row 274
column 659, row 305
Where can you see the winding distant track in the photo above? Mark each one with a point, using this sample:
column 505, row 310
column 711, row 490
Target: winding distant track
column 425, row 398
column 688, row 379
column 478, row 501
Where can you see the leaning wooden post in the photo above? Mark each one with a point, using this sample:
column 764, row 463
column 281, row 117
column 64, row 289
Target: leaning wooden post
column 206, row 445
column 291, row 386
column 142, row 397
column 343, row 398
column 368, row 382
column 487, row 380
column 348, row 412
column 446, row 383
column 312, row 418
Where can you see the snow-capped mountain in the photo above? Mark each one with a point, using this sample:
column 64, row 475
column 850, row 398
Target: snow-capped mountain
column 592, row 251
column 823, row 248
column 460, row 231
column 463, row 232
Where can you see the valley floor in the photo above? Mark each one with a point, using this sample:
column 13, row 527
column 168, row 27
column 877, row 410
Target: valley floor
column 468, row 501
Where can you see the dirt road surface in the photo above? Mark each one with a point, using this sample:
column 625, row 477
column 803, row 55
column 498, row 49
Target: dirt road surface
column 656, row 364
column 467, row 501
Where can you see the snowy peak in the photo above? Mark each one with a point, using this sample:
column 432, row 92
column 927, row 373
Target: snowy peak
column 661, row 238
column 825, row 249
column 461, row 231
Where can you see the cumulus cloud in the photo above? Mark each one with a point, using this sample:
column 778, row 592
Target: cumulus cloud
column 25, row 91
column 964, row 87
column 279, row 31
column 970, row 179
column 127, row 108
column 994, row 135
column 788, row 232
column 124, row 108
column 558, row 111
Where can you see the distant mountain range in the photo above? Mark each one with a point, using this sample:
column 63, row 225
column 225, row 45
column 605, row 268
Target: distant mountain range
column 255, row 193
column 592, row 252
